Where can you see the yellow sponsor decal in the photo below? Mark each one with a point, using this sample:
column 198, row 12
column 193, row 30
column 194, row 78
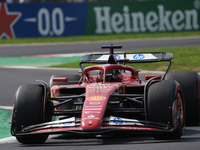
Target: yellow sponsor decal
column 52, row 92
column 96, row 98
column 124, row 89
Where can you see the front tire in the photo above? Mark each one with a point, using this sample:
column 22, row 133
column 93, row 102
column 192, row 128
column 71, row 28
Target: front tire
column 28, row 110
column 165, row 104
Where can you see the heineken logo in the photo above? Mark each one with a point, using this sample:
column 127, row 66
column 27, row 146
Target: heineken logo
column 159, row 20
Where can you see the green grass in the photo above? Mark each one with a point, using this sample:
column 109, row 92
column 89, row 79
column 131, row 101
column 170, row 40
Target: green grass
column 5, row 116
column 99, row 37
column 185, row 58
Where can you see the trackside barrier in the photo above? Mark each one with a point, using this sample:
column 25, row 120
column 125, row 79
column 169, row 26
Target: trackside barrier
column 42, row 20
column 143, row 16
column 96, row 18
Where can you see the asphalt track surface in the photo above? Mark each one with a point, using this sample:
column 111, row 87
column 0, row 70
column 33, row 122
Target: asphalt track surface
column 83, row 47
column 11, row 79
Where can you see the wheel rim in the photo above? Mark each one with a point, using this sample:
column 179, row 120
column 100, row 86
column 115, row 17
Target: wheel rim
column 179, row 112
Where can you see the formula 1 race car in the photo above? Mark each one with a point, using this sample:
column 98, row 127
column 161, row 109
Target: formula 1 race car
column 110, row 97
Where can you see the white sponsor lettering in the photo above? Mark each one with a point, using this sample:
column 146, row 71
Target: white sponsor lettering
column 91, row 116
column 153, row 21
column 92, row 109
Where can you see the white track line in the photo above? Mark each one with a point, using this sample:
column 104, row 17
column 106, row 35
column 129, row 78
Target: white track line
column 6, row 107
column 11, row 139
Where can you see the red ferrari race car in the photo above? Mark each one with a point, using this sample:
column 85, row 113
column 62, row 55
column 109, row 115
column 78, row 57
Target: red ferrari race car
column 110, row 97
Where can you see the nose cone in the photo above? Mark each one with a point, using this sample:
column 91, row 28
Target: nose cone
column 93, row 111
column 96, row 100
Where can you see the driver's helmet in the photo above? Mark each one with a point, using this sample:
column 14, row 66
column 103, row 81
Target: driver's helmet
column 116, row 74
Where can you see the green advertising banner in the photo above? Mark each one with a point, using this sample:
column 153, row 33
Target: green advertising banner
column 143, row 16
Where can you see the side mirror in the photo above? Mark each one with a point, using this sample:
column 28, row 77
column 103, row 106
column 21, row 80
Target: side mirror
column 60, row 79
column 147, row 77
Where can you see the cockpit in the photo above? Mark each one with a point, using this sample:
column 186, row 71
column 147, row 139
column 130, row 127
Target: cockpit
column 109, row 73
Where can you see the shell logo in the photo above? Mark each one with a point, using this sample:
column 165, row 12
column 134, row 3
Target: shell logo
column 96, row 98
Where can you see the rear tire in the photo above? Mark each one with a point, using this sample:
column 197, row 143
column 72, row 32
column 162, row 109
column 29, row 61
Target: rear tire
column 190, row 83
column 28, row 110
column 164, row 97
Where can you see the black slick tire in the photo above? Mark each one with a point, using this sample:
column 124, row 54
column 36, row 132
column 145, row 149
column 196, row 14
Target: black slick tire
column 190, row 83
column 164, row 102
column 28, row 110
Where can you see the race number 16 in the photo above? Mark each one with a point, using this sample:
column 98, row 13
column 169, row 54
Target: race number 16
column 51, row 24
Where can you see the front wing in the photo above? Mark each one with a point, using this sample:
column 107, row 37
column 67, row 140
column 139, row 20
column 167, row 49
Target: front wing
column 110, row 125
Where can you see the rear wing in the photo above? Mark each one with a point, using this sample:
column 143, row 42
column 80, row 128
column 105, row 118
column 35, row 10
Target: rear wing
column 128, row 57
column 114, row 58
